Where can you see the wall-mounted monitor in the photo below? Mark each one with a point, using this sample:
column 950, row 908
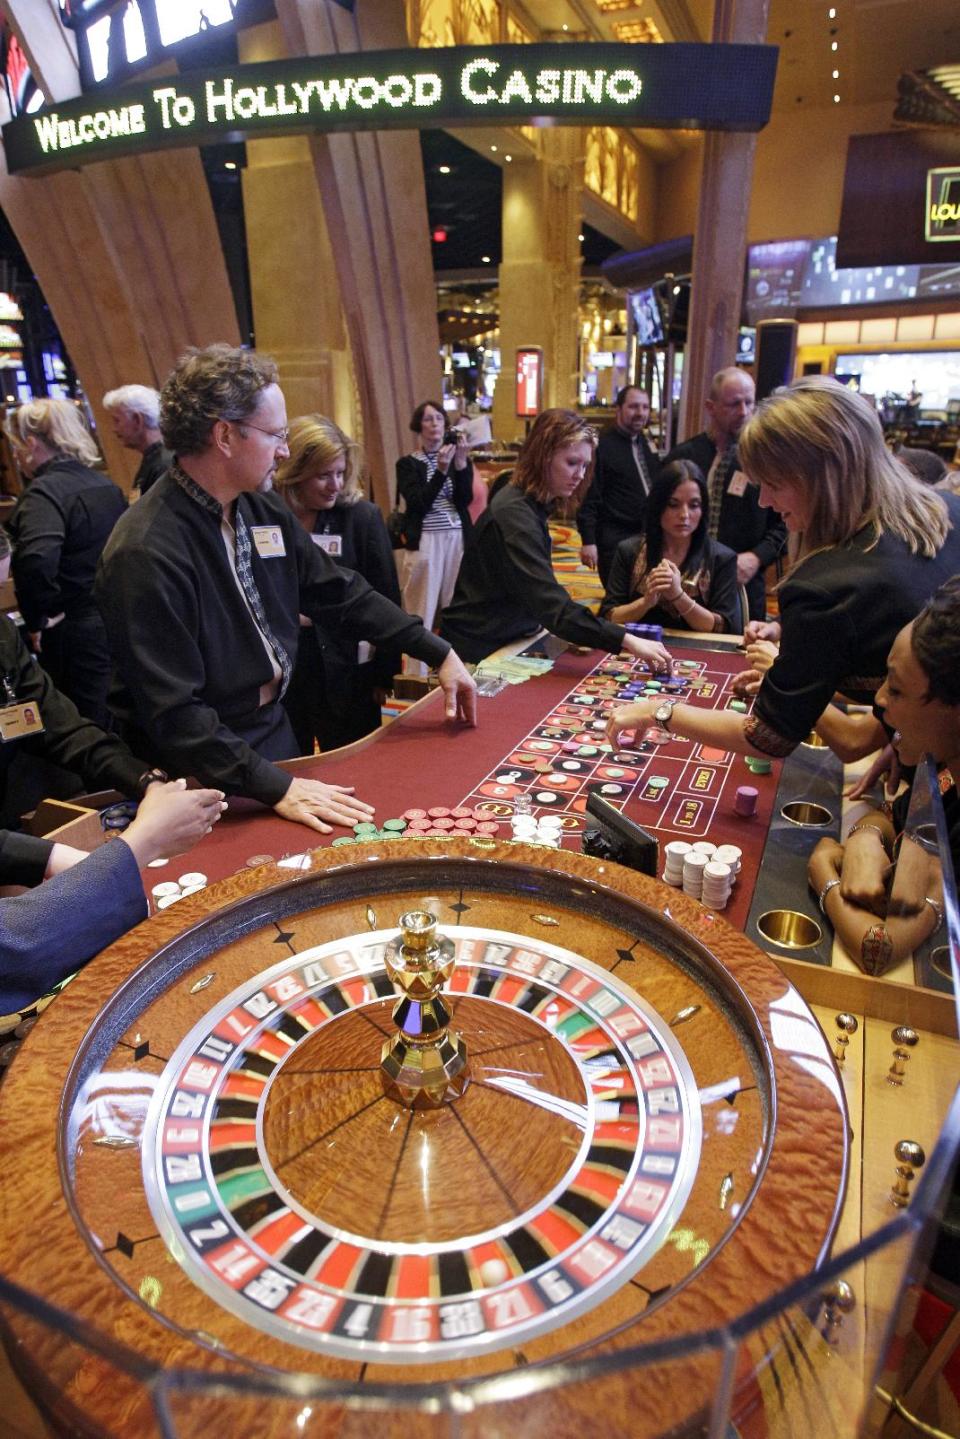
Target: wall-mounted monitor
column 647, row 317
column 746, row 345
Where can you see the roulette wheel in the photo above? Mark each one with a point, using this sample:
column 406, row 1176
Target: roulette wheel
column 232, row 1185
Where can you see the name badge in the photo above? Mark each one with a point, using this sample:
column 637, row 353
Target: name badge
column 268, row 540
column 332, row 544
column 19, row 720
column 738, row 484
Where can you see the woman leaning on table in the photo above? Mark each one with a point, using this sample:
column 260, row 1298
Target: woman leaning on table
column 435, row 487
column 874, row 545
column 338, row 688
column 507, row 589
column 674, row 574
column 920, row 700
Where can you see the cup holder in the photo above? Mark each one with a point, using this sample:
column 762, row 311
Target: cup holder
column 804, row 812
column 789, row 929
column 940, row 959
column 813, row 741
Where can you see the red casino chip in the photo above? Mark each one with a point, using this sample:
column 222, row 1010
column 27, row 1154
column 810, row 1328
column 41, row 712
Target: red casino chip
column 487, row 827
column 461, row 812
column 409, row 814
column 440, row 811
column 442, row 823
column 465, row 823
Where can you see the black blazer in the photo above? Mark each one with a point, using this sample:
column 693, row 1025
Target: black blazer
column 418, row 494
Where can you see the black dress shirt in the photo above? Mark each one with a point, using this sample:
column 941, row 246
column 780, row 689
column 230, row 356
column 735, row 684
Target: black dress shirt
column 156, row 462
column 745, row 524
column 616, row 501
column 714, row 586
column 506, row 587
column 190, row 661
column 99, row 760
column 840, row 612
column 58, row 528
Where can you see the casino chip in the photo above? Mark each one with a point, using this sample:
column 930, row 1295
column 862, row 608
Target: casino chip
column 258, row 859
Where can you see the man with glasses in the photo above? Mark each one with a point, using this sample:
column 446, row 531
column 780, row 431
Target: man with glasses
column 202, row 586
column 736, row 518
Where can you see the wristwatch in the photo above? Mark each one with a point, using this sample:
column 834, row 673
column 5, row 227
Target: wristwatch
column 663, row 712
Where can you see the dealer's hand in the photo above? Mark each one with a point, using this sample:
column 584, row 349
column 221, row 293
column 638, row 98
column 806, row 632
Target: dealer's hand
column 651, row 652
column 865, row 871
column 588, row 556
column 824, row 863
column 747, row 683
column 638, row 716
column 761, row 630
column 459, row 689
column 309, row 802
column 761, row 654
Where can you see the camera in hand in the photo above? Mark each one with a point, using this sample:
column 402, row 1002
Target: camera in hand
column 452, row 437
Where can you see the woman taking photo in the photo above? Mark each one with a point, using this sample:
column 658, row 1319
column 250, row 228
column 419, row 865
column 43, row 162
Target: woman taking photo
column 434, row 487
column 874, row 545
column 674, row 574
column 59, row 527
column 507, row 589
column 338, row 688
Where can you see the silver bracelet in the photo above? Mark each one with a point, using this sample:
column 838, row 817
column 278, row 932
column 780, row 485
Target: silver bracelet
column 865, row 824
column 822, row 896
column 937, row 910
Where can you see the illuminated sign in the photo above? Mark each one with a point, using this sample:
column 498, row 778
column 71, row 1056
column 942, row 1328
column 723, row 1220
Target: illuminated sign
column 702, row 87
column 529, row 382
column 943, row 204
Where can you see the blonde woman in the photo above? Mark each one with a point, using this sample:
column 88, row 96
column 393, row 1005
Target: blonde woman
column 59, row 527
column 338, row 687
column 874, row 544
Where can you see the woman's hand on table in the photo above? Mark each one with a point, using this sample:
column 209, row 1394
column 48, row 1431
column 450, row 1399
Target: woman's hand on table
column 636, row 717
column 824, row 864
column 310, row 802
column 747, row 683
column 459, row 689
column 171, row 818
column 653, row 654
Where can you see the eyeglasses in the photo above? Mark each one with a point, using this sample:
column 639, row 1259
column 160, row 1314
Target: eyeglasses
column 282, row 436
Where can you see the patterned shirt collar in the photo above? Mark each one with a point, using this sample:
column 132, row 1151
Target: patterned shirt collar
column 191, row 488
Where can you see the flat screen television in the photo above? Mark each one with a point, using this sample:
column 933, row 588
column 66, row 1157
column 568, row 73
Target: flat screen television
column 647, row 317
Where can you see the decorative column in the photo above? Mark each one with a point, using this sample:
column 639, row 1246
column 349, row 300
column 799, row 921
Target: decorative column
column 540, row 271
column 720, row 243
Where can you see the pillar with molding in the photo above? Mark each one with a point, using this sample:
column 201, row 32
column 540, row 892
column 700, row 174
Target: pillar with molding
column 126, row 252
column 720, row 242
column 540, row 271
column 374, row 202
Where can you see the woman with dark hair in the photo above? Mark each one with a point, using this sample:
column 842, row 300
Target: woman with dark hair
column 507, row 589
column 59, row 527
column 674, row 574
column 338, row 686
column 435, row 487
column 920, row 700
column 873, row 545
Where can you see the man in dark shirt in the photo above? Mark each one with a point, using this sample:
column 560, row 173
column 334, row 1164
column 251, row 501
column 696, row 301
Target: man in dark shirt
column 134, row 412
column 617, row 499
column 737, row 518
column 202, row 587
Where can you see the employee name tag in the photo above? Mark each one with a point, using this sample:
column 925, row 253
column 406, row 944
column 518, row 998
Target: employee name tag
column 19, row 720
column 333, row 544
column 268, row 540
column 738, row 484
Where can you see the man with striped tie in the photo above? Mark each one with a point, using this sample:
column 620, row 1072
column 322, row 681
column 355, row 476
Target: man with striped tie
column 614, row 507
column 737, row 518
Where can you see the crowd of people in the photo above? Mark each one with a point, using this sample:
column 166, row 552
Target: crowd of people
column 252, row 603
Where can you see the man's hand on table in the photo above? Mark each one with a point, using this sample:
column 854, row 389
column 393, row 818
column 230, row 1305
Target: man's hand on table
column 651, row 652
column 171, row 818
column 309, row 802
column 459, row 689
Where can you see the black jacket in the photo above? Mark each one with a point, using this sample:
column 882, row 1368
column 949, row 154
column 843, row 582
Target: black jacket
column 616, row 501
column 418, row 494
column 59, row 528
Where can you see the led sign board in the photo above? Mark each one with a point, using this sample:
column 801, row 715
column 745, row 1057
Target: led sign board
column 529, row 382
column 943, row 204
column 703, row 87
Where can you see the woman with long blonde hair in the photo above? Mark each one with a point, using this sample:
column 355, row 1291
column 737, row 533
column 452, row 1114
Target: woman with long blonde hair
column 338, row 688
column 506, row 588
column 58, row 528
column 873, row 545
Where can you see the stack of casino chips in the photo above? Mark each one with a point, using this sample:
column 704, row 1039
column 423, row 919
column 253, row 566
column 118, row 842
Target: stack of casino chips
column 460, row 822
column 702, row 870
column 170, row 890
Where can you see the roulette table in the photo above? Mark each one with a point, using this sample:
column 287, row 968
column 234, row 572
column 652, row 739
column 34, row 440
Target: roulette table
column 217, row 1211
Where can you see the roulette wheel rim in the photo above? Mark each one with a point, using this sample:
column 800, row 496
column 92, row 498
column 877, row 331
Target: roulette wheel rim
column 179, row 940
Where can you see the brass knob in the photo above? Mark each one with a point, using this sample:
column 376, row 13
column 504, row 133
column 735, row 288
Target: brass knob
column 907, row 1151
column 847, row 1023
column 904, row 1037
